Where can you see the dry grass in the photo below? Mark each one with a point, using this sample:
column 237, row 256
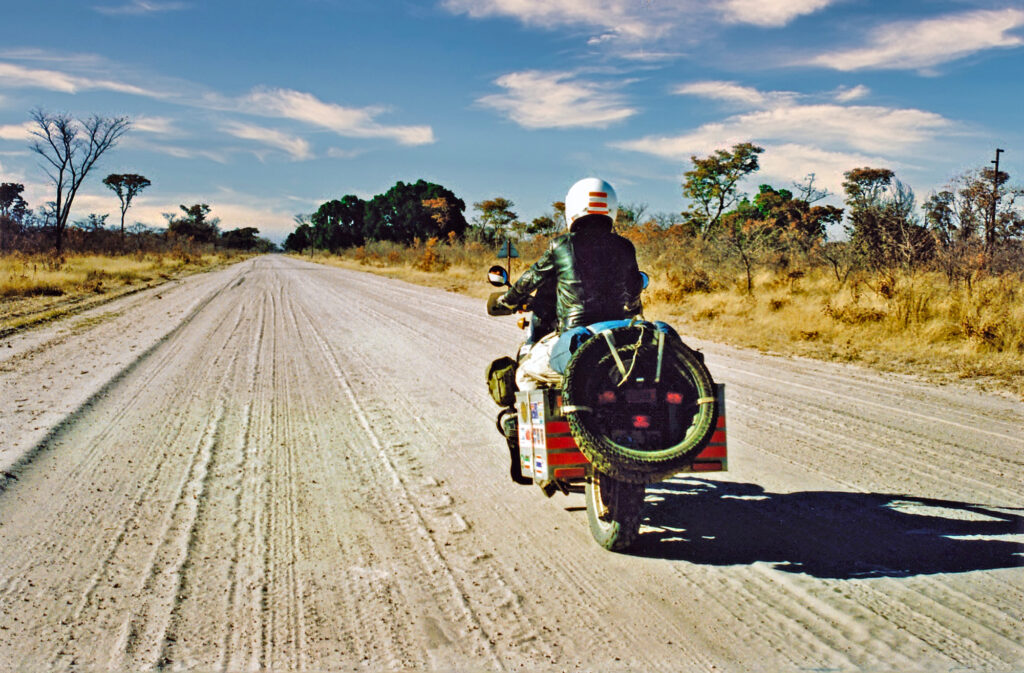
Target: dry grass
column 38, row 288
column 917, row 324
column 909, row 324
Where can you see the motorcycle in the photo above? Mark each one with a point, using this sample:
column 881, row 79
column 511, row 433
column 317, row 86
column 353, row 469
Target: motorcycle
column 635, row 407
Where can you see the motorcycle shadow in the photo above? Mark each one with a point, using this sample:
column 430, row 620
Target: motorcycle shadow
column 826, row 534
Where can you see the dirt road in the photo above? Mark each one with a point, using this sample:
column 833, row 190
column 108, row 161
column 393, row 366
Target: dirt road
column 291, row 467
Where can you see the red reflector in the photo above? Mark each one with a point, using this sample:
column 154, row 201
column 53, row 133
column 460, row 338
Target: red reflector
column 674, row 398
column 642, row 422
column 607, row 397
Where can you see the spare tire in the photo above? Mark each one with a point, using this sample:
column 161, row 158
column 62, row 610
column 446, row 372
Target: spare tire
column 640, row 403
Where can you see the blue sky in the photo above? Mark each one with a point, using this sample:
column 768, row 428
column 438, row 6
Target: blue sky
column 266, row 109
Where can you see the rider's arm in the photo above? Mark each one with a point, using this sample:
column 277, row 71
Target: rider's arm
column 531, row 279
column 634, row 286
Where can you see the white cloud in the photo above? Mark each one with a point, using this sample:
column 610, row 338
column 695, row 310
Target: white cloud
column 732, row 92
column 625, row 18
column 156, row 125
column 535, row 99
column 345, row 121
column 846, row 94
column 636, row 20
column 861, row 127
column 298, row 148
column 642, row 56
column 17, row 76
column 923, row 44
column 338, row 153
column 16, row 131
column 769, row 13
column 791, row 162
column 141, row 7
column 265, row 102
column 179, row 152
column 801, row 138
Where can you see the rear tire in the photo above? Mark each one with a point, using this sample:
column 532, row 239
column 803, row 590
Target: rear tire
column 613, row 510
column 593, row 369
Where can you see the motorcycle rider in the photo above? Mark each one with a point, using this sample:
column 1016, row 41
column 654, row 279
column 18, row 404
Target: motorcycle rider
column 593, row 270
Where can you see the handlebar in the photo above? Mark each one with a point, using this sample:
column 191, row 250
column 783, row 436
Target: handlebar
column 496, row 308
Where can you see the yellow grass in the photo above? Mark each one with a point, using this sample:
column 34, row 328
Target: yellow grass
column 917, row 324
column 37, row 288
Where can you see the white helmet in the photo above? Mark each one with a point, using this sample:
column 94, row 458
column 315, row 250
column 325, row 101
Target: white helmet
column 590, row 196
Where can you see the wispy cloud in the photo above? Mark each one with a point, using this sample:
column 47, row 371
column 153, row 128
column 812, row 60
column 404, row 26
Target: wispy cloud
column 801, row 138
column 296, row 147
column 847, row 94
column 138, row 7
column 733, row 93
column 634, row 21
column 612, row 17
column 918, row 45
column 535, row 99
column 641, row 56
column 16, row 131
column 180, row 152
column 769, row 13
column 344, row 121
column 164, row 126
column 79, row 75
column 13, row 76
column 865, row 128
column 338, row 153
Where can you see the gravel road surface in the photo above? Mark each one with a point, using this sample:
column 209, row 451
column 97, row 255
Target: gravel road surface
column 284, row 466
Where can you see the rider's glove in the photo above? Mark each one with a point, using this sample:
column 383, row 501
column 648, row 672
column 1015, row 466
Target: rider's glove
column 496, row 305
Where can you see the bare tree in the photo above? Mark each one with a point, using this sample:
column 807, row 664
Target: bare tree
column 72, row 147
column 126, row 186
column 806, row 190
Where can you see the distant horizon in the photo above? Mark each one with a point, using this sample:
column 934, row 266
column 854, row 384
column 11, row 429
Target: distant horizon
column 264, row 111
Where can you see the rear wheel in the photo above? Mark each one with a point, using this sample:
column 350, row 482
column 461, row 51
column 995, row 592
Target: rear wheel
column 613, row 510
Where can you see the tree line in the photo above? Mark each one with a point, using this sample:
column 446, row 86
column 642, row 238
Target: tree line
column 405, row 213
column 974, row 223
column 70, row 148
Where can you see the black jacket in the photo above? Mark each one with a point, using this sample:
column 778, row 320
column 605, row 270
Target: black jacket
column 595, row 273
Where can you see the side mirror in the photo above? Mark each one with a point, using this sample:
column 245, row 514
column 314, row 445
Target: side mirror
column 497, row 276
column 645, row 280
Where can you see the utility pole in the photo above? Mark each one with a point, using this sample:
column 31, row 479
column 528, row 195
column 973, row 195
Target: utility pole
column 990, row 235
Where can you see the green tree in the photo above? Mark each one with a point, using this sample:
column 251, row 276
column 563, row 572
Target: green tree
column 399, row 214
column 542, row 225
column 13, row 212
column 711, row 186
column 195, row 225
column 801, row 227
column 300, row 239
column 630, row 215
column 243, row 238
column 882, row 221
column 339, row 223
column 72, row 147
column 748, row 232
column 127, row 186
